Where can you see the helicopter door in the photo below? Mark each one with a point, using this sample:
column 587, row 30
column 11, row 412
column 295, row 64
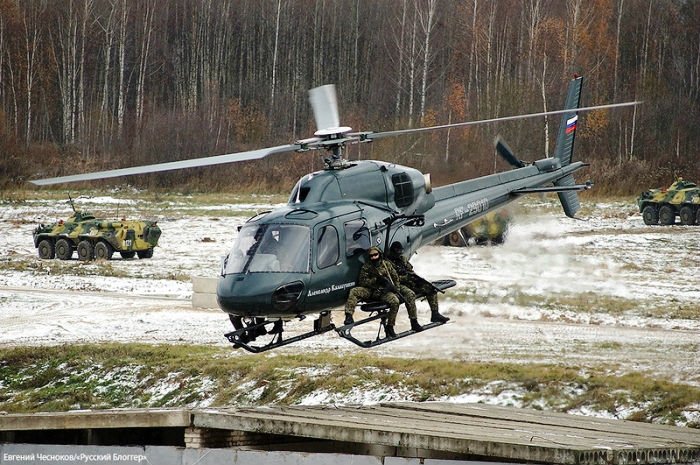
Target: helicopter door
column 336, row 262
column 357, row 241
column 328, row 278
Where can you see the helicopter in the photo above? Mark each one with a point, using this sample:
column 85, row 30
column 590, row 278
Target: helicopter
column 303, row 258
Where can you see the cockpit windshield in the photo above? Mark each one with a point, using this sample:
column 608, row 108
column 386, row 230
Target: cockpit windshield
column 270, row 248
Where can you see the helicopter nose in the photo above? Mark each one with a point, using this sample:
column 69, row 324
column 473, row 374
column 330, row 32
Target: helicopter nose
column 261, row 294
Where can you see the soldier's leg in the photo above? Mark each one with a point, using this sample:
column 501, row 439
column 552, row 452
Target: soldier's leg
column 432, row 301
column 410, row 298
column 435, row 315
column 356, row 294
column 394, row 303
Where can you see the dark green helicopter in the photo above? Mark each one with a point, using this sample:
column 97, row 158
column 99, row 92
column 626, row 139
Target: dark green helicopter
column 303, row 258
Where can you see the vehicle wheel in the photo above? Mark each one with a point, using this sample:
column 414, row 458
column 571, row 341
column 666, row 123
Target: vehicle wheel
column 650, row 215
column 86, row 251
column 46, row 249
column 104, row 250
column 148, row 253
column 127, row 253
column 666, row 215
column 64, row 249
column 697, row 217
column 687, row 215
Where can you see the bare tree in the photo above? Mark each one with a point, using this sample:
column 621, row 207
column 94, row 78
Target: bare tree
column 31, row 21
column 427, row 22
column 121, row 88
column 145, row 48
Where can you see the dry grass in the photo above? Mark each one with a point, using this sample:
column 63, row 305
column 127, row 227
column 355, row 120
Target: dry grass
column 132, row 375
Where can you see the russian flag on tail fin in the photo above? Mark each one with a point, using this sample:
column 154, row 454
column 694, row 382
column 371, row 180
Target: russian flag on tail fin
column 571, row 124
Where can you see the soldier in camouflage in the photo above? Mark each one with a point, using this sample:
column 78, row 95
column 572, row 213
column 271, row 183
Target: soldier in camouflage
column 378, row 280
column 414, row 282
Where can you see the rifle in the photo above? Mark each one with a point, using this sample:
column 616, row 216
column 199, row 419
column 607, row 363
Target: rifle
column 388, row 285
column 401, row 269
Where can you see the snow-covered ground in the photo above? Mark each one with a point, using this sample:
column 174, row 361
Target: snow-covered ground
column 606, row 291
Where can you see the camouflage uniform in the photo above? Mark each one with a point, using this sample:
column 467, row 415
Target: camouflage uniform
column 416, row 283
column 417, row 286
column 371, row 287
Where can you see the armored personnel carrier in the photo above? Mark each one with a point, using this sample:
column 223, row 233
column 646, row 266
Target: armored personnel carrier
column 488, row 230
column 96, row 238
column 663, row 205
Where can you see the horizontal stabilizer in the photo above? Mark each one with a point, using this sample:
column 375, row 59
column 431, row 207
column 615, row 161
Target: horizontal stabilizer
column 562, row 188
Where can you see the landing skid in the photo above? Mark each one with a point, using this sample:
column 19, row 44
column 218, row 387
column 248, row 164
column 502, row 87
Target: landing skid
column 344, row 331
column 242, row 338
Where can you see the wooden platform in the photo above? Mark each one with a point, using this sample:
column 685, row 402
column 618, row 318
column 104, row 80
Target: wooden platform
column 431, row 430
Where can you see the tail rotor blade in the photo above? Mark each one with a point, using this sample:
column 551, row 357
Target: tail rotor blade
column 507, row 154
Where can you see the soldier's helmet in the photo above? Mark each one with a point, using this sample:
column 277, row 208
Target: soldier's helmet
column 396, row 249
column 374, row 249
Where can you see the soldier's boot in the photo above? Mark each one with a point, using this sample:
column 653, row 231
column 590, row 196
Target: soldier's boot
column 348, row 319
column 389, row 330
column 415, row 326
column 435, row 317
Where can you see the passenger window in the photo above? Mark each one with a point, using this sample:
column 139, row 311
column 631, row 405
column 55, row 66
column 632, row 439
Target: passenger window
column 328, row 247
column 403, row 189
column 357, row 238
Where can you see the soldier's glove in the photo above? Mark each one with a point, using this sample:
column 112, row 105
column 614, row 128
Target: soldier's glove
column 385, row 283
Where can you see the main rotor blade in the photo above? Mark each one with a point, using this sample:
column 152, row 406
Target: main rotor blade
column 379, row 135
column 325, row 106
column 173, row 165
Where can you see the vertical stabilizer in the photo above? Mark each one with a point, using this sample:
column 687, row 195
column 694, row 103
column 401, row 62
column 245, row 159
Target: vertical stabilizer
column 565, row 146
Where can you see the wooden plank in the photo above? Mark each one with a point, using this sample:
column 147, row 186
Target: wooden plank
column 483, row 430
column 320, row 428
column 644, row 430
column 474, row 428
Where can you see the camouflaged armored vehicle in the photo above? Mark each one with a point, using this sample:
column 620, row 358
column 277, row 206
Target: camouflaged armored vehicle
column 490, row 229
column 662, row 205
column 96, row 238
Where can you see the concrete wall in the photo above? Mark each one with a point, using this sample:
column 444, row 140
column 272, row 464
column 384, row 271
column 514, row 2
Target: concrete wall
column 204, row 292
column 168, row 455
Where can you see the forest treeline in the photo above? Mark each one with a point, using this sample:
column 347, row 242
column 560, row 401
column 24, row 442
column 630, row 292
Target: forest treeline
column 101, row 84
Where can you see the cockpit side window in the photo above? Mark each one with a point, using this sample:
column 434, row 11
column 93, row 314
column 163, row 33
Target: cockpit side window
column 328, row 247
column 357, row 237
column 403, row 189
